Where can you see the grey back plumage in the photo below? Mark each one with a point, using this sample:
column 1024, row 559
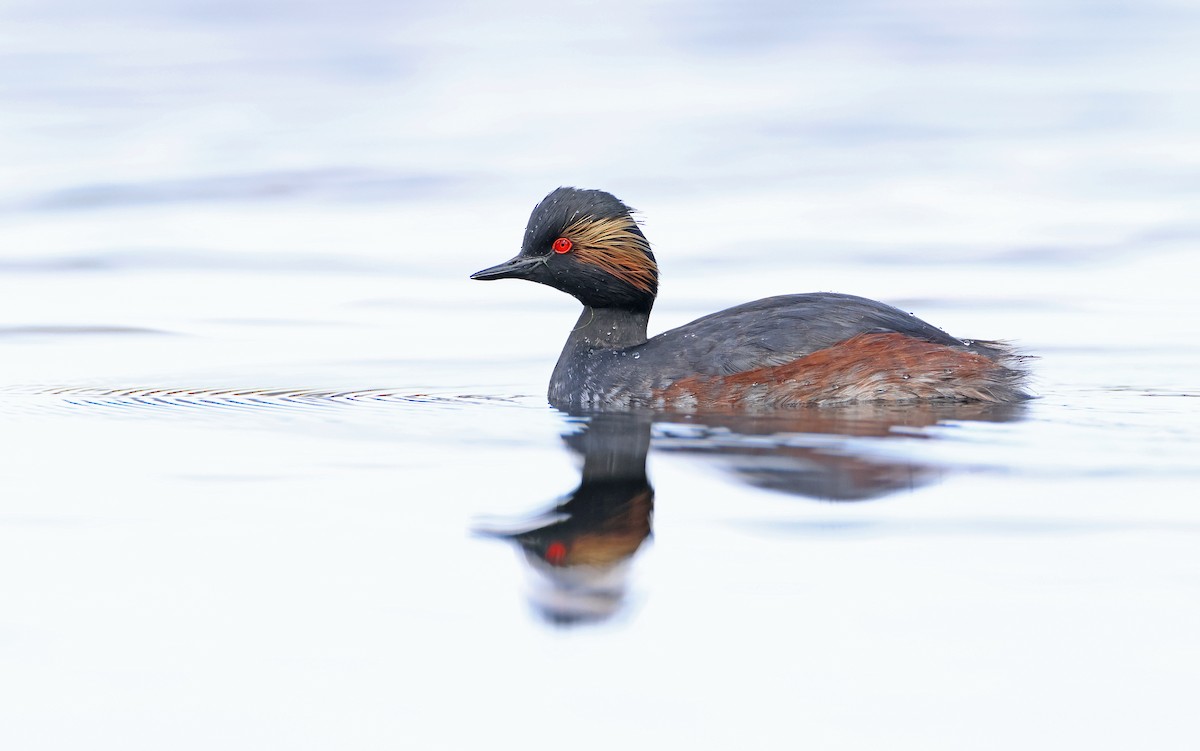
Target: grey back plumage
column 778, row 330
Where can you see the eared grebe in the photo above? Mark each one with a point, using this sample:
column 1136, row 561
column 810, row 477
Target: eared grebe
column 787, row 351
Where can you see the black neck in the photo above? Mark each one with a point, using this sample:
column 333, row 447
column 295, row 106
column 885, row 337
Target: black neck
column 608, row 328
column 598, row 331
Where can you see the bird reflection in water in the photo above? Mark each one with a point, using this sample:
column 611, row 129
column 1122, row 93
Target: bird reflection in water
column 580, row 550
column 811, row 452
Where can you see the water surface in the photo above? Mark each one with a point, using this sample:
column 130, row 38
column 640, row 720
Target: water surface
column 276, row 474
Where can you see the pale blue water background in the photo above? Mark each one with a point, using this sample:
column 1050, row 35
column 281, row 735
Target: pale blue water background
column 255, row 206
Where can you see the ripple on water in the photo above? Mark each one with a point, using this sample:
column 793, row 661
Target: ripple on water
column 209, row 401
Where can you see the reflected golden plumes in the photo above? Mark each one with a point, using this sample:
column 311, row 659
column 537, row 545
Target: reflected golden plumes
column 617, row 534
column 617, row 246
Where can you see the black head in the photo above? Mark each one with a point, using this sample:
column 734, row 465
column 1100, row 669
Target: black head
column 586, row 243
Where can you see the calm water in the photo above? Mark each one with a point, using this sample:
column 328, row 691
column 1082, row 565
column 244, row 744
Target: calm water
column 277, row 475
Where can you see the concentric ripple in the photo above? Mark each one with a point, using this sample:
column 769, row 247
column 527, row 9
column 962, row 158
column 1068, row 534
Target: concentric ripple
column 213, row 400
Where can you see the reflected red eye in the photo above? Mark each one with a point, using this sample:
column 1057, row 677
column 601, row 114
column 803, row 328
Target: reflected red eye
column 556, row 552
column 562, row 245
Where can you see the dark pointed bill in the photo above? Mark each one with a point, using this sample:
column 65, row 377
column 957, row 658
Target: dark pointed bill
column 515, row 268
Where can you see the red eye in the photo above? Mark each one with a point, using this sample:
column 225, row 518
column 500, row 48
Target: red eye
column 562, row 245
column 556, row 552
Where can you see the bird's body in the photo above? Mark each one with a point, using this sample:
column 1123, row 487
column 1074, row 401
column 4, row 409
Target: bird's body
column 778, row 352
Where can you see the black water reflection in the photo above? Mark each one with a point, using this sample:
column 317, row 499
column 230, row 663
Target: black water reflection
column 805, row 452
column 580, row 550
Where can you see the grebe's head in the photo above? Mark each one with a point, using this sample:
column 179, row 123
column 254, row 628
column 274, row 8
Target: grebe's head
column 587, row 244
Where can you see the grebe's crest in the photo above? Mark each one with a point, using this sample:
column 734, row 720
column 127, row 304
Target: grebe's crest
column 602, row 232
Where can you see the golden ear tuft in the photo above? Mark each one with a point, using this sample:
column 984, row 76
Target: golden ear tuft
column 617, row 246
